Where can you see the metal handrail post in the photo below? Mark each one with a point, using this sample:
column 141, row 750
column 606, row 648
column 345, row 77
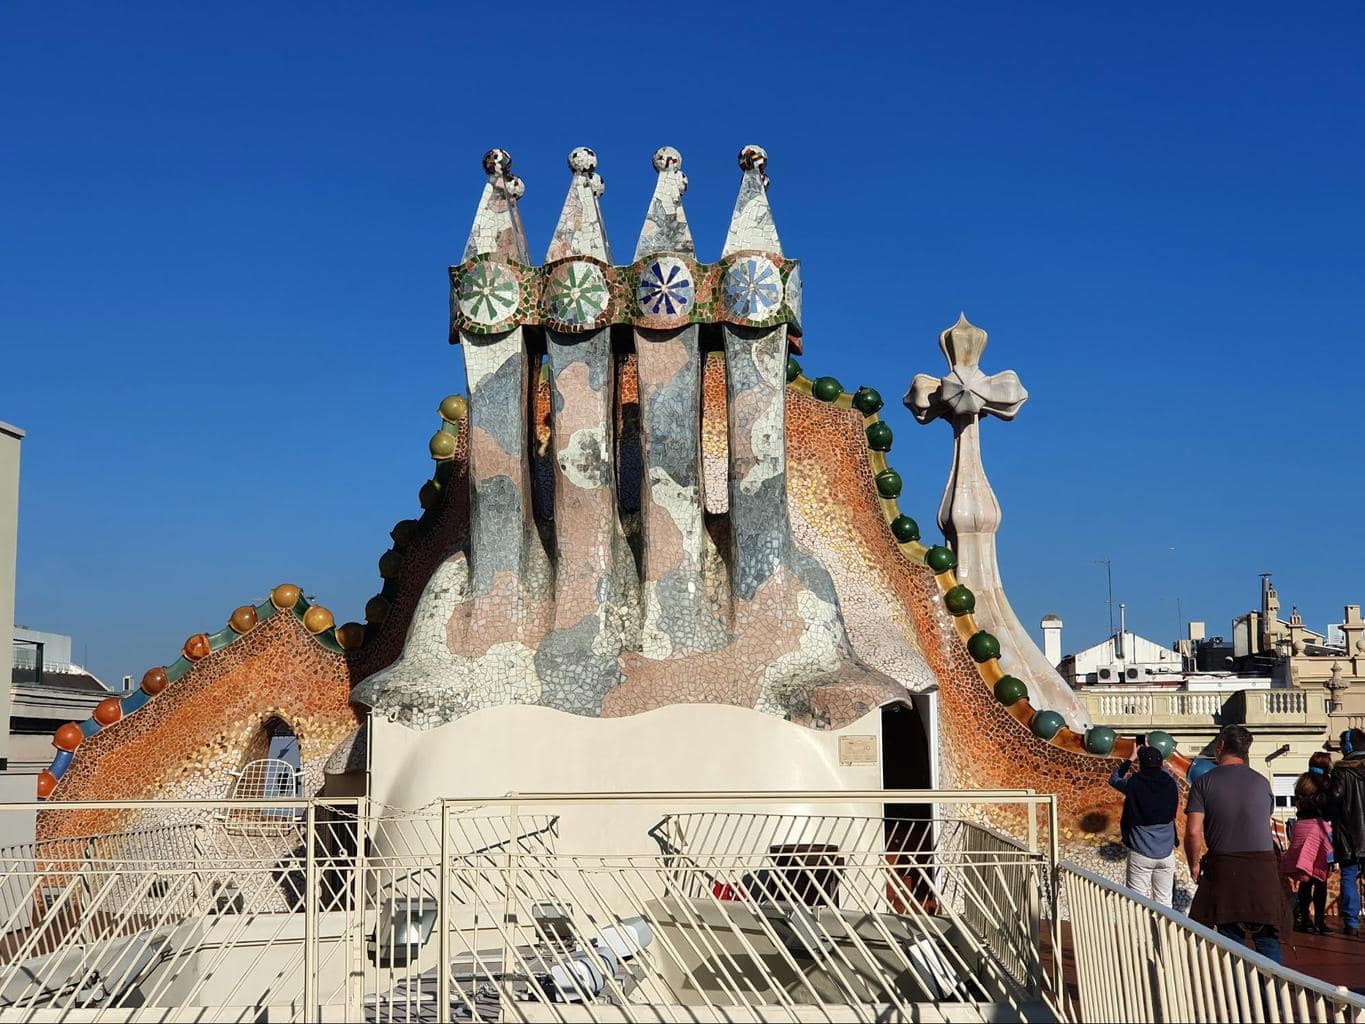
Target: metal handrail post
column 509, row 917
column 1054, row 875
column 443, row 920
column 310, row 917
column 358, row 895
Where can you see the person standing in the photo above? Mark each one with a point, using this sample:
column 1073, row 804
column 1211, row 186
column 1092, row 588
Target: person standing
column 1231, row 851
column 1310, row 841
column 1348, row 824
column 1150, row 801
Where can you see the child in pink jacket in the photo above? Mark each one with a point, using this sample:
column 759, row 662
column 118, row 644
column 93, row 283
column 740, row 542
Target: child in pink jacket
column 1310, row 844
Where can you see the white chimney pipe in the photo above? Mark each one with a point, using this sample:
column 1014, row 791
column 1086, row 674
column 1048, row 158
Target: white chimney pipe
column 1052, row 639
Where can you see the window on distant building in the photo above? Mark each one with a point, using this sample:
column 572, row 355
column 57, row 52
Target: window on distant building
column 1283, row 788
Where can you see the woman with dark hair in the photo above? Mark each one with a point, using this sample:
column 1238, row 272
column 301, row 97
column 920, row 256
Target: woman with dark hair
column 1310, row 843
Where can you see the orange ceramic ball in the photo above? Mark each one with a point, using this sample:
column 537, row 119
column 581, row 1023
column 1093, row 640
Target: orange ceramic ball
column 376, row 608
column 47, row 782
column 243, row 619
column 390, row 564
column 154, row 681
column 350, row 635
column 317, row 618
column 286, row 595
column 68, row 736
column 108, row 711
column 196, row 647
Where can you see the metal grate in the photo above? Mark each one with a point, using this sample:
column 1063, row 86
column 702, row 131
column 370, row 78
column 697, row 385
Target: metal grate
column 269, row 778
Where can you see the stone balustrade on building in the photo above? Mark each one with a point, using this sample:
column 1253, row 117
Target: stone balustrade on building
column 1126, row 710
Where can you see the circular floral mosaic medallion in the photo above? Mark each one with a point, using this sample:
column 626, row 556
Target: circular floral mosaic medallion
column 577, row 294
column 489, row 294
column 753, row 288
column 794, row 292
column 666, row 287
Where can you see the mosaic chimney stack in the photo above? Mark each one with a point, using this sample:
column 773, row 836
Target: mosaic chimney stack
column 596, row 587
column 511, row 572
column 704, row 610
column 679, row 615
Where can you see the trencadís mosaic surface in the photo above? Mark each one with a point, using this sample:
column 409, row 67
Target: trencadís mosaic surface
column 641, row 499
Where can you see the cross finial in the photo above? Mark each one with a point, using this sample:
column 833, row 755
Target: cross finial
column 965, row 392
column 969, row 514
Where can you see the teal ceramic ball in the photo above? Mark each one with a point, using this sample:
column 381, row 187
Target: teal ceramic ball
column 940, row 559
column 1010, row 690
column 959, row 600
column 983, row 646
column 827, row 389
column 904, row 529
column 1163, row 741
column 1100, row 739
column 867, row 400
column 1046, row 724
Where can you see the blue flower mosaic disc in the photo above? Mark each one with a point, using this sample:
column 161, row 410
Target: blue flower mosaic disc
column 752, row 288
column 489, row 294
column 578, row 294
column 666, row 287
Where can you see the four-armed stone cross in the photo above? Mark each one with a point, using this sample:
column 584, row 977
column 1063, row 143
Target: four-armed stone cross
column 969, row 514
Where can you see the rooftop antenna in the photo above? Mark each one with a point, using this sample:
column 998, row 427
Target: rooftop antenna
column 1109, row 575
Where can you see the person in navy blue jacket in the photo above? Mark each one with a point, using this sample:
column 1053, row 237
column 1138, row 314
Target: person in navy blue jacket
column 1150, row 801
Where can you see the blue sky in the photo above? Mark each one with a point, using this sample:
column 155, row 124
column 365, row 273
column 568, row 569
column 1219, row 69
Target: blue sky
column 223, row 296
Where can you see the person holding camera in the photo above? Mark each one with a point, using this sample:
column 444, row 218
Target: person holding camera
column 1150, row 801
column 1347, row 805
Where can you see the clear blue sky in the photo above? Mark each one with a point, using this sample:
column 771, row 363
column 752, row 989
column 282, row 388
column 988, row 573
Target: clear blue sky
column 226, row 230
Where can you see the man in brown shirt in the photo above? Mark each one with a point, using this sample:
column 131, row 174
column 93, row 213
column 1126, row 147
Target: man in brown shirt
column 1231, row 851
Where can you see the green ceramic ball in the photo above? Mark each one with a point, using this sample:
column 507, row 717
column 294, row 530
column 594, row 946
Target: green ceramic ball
column 940, row 559
column 1009, row 690
column 454, row 408
column 959, row 600
column 1163, row 741
column 879, row 437
column 983, row 646
column 1046, row 724
column 827, row 389
column 442, row 445
column 889, row 483
column 793, row 369
column 1100, row 739
column 904, row 529
column 867, row 400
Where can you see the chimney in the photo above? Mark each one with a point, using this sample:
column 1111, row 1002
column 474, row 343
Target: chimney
column 1123, row 631
column 1052, row 638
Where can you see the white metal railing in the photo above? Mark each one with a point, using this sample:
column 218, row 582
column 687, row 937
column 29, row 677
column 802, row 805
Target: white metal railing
column 1138, row 961
column 754, row 906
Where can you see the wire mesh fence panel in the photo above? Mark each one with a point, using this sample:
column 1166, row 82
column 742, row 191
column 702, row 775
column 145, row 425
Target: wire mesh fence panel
column 344, row 909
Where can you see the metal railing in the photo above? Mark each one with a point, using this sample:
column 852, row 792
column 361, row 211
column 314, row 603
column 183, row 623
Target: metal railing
column 762, row 906
column 1138, row 961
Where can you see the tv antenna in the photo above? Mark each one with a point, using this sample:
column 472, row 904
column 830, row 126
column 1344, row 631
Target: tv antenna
column 1109, row 575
